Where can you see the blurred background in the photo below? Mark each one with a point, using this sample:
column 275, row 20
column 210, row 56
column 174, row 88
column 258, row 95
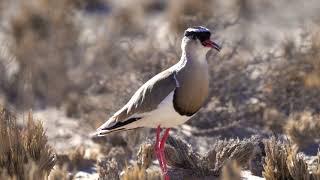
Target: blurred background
column 76, row 62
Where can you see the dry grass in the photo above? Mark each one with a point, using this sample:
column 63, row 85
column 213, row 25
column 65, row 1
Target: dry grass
column 69, row 163
column 297, row 167
column 183, row 159
column 275, row 163
column 282, row 161
column 136, row 173
column 303, row 128
column 38, row 33
column 24, row 152
column 59, row 173
column 316, row 169
column 274, row 119
column 90, row 65
column 292, row 83
column 231, row 171
column 108, row 169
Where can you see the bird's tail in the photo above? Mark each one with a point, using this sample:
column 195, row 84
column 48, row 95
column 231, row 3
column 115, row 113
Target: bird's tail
column 113, row 126
column 101, row 132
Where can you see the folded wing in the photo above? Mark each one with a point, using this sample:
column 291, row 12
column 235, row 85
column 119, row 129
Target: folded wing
column 146, row 99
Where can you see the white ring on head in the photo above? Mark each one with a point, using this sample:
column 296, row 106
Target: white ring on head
column 198, row 29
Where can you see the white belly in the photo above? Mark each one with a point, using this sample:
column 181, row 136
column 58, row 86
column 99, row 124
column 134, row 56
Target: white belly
column 164, row 115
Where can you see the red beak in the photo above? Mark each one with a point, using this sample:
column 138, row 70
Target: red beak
column 211, row 44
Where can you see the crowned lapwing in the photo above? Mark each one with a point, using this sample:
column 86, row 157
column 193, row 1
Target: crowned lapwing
column 171, row 97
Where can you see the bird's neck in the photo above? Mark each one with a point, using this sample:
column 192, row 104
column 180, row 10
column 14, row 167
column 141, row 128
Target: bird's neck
column 194, row 66
column 194, row 58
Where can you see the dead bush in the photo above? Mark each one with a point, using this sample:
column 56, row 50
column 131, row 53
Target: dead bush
column 38, row 33
column 292, row 83
column 231, row 171
column 283, row 161
column 108, row 169
column 316, row 170
column 185, row 162
column 275, row 162
column 303, row 128
column 138, row 173
column 24, row 152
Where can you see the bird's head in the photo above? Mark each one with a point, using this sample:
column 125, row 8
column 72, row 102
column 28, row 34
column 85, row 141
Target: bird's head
column 198, row 39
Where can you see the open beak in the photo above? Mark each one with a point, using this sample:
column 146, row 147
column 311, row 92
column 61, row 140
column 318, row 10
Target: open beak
column 211, row 44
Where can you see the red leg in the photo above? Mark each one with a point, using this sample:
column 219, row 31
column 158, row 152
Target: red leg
column 159, row 150
column 164, row 138
column 163, row 158
column 157, row 146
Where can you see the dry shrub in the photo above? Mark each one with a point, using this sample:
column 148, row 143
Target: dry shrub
column 231, row 171
column 44, row 42
column 297, row 167
column 292, row 83
column 24, row 153
column 316, row 169
column 287, row 92
column 59, row 173
column 108, row 169
column 274, row 119
column 240, row 151
column 137, row 173
column 303, row 128
column 115, row 157
column 290, row 87
column 74, row 160
column 312, row 78
column 284, row 162
column 79, row 160
column 275, row 167
column 180, row 154
column 145, row 155
column 185, row 162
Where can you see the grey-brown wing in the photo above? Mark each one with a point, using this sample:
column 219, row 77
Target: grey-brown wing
column 146, row 98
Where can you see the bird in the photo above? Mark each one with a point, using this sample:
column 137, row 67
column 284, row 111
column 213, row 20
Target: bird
column 171, row 97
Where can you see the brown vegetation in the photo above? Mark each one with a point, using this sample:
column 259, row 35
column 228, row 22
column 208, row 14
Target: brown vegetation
column 185, row 162
column 88, row 63
column 137, row 173
column 303, row 129
column 282, row 161
column 24, row 152
column 231, row 171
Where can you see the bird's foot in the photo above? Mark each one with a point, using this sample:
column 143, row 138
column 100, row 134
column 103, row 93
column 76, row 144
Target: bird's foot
column 159, row 151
